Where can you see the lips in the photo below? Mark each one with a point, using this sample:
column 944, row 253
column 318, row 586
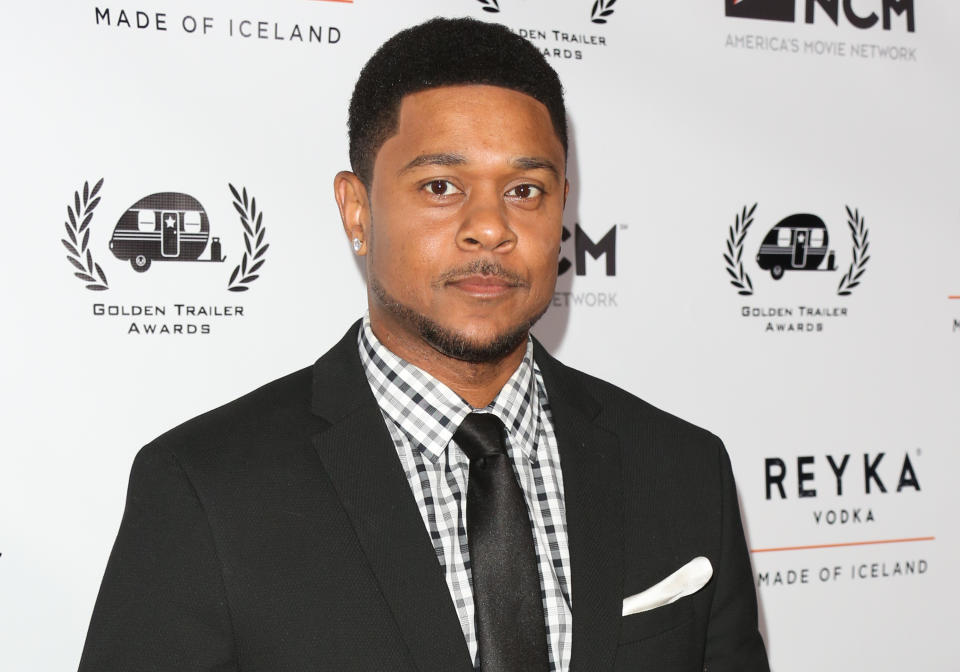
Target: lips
column 483, row 286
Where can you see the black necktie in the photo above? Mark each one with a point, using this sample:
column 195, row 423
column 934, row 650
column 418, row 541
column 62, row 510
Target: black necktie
column 506, row 586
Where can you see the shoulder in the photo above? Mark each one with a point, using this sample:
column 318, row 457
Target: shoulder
column 268, row 432
column 270, row 406
column 268, row 419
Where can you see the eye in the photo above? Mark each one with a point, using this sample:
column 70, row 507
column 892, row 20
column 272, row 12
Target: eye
column 525, row 192
column 441, row 188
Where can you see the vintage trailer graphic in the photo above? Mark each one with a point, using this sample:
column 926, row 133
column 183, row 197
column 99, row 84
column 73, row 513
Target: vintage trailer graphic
column 167, row 226
column 797, row 243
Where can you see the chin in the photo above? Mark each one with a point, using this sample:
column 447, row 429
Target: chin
column 471, row 338
column 477, row 349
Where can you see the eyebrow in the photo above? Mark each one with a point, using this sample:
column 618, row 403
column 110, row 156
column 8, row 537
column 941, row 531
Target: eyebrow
column 442, row 159
column 536, row 163
column 451, row 159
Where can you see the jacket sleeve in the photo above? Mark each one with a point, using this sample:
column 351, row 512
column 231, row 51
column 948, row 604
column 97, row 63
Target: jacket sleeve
column 162, row 604
column 734, row 643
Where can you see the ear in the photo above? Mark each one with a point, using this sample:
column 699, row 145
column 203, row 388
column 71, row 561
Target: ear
column 354, row 205
column 566, row 192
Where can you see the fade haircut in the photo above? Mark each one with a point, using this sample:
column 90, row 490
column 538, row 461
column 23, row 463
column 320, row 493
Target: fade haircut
column 444, row 52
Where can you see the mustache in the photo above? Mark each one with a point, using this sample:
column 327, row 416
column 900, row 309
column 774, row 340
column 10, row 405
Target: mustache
column 485, row 268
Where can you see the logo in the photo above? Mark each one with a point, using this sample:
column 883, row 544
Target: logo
column 165, row 227
column 798, row 242
column 794, row 250
column 858, row 489
column 785, row 10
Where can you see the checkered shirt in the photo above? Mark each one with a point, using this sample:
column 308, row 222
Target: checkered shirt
column 422, row 415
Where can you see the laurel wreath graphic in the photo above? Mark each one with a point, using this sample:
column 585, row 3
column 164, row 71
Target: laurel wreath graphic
column 79, row 214
column 734, row 254
column 601, row 9
column 859, row 233
column 490, row 6
column 246, row 270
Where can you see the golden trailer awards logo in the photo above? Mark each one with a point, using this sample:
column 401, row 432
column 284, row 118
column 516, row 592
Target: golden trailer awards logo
column 164, row 228
column 795, row 246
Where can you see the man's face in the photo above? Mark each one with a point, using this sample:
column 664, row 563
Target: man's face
column 465, row 216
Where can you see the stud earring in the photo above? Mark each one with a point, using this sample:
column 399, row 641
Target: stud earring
column 357, row 244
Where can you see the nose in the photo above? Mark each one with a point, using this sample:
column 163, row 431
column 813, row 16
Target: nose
column 485, row 226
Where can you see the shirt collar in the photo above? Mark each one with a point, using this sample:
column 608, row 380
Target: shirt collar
column 428, row 412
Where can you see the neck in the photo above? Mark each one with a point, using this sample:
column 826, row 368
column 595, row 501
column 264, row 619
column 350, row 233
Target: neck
column 478, row 383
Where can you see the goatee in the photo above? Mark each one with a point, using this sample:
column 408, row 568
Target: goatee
column 448, row 341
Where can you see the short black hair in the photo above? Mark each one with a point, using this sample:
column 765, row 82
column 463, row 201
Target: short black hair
column 444, row 52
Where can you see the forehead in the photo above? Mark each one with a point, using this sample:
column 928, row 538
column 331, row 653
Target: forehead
column 474, row 116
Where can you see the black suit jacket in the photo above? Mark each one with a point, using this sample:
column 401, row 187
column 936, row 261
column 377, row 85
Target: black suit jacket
column 278, row 533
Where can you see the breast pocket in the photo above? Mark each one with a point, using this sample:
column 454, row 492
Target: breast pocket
column 659, row 640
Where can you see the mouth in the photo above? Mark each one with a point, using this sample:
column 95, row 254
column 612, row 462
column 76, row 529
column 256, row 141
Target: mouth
column 483, row 279
column 483, row 286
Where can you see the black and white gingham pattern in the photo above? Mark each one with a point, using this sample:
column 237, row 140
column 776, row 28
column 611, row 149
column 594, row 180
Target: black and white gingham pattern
column 422, row 415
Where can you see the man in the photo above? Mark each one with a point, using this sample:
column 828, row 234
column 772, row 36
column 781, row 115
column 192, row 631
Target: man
column 436, row 493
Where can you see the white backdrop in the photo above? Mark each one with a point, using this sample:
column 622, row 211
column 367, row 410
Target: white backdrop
column 682, row 119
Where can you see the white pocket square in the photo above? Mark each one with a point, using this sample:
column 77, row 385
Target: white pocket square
column 685, row 581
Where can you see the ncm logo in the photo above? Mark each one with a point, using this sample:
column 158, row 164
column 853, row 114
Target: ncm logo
column 582, row 245
column 785, row 10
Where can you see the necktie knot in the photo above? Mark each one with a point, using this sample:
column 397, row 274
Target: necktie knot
column 481, row 435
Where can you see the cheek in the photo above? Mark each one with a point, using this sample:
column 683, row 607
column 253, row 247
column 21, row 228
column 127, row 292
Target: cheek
column 545, row 257
column 547, row 279
column 406, row 255
column 542, row 267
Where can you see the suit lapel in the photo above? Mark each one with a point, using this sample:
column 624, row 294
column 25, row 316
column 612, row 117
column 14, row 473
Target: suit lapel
column 590, row 462
column 361, row 461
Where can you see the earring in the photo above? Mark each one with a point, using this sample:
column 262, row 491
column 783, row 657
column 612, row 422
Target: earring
column 357, row 244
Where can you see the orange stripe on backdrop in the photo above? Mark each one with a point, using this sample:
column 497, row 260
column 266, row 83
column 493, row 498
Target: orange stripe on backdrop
column 347, row 1
column 848, row 543
column 954, row 297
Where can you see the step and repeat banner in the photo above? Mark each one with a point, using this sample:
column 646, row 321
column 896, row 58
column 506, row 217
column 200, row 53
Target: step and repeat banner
column 762, row 237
